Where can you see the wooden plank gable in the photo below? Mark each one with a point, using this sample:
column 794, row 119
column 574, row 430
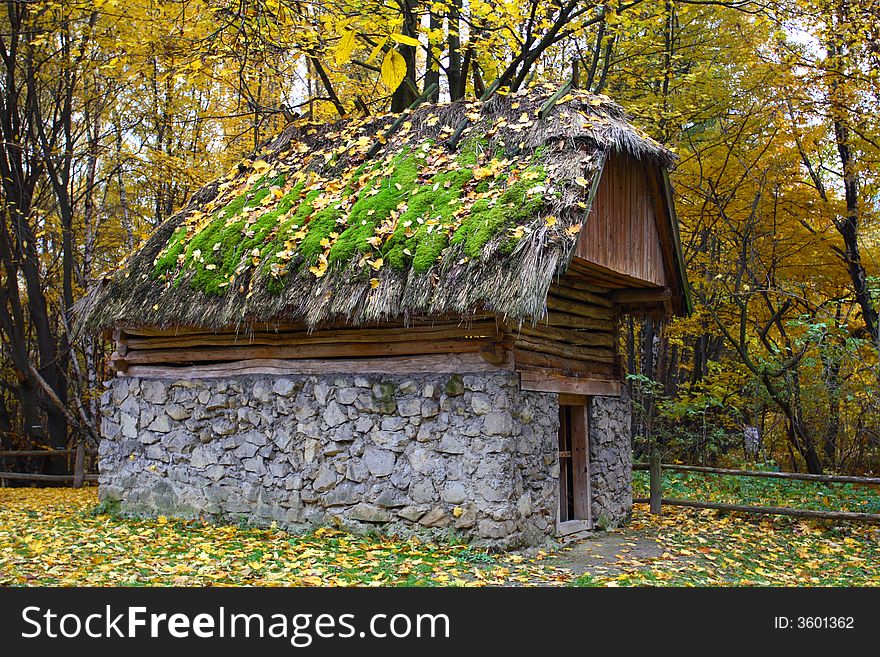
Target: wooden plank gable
column 621, row 230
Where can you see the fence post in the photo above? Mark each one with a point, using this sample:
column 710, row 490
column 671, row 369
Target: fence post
column 656, row 482
column 79, row 464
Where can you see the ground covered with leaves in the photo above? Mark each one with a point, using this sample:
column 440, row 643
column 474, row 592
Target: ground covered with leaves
column 55, row 537
column 764, row 492
column 707, row 548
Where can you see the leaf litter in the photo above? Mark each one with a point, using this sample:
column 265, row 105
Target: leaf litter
column 56, row 537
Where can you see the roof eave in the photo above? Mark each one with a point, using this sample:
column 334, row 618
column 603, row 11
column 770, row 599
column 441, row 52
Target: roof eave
column 683, row 303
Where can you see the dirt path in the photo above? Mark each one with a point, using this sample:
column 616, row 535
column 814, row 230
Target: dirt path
column 600, row 553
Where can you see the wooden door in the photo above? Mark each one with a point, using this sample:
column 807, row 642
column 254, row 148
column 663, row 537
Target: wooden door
column 574, row 465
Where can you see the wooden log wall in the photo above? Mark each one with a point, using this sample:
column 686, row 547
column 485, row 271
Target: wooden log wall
column 572, row 349
column 423, row 364
column 147, row 347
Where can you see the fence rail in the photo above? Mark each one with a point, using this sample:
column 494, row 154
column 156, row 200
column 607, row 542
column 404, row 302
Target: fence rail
column 77, row 479
column 29, row 476
column 656, row 499
column 38, row 452
column 830, row 479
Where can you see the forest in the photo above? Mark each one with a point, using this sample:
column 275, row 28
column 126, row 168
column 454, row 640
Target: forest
column 114, row 112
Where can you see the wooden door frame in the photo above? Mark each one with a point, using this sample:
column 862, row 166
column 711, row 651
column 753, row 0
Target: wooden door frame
column 580, row 446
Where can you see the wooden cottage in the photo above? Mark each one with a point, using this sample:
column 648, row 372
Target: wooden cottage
column 370, row 324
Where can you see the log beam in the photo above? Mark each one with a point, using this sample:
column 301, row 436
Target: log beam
column 333, row 336
column 525, row 359
column 305, row 351
column 580, row 308
column 426, row 364
column 636, row 296
column 563, row 289
column 565, row 350
column 547, row 381
column 567, row 320
column 571, row 336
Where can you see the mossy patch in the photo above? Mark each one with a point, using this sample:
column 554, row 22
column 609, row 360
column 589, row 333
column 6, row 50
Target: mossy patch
column 215, row 252
column 486, row 219
column 374, row 205
column 455, row 386
column 320, row 226
column 396, row 209
column 422, row 231
column 166, row 262
column 286, row 230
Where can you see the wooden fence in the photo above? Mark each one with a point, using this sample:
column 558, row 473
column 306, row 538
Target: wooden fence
column 656, row 499
column 77, row 479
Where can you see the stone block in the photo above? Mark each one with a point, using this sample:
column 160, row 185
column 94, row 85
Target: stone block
column 411, row 513
column 498, row 423
column 453, row 492
column 129, row 426
column 452, row 444
column 285, row 387
column 369, row 513
column 481, row 404
column 321, row 390
column 246, row 451
column 391, row 497
column 409, row 407
column 380, row 462
column 436, row 517
column 396, row 441
column 345, row 493
column 356, row 471
column 422, row 491
column 334, row 415
column 178, row 412
column 347, row 396
column 423, row 461
column 325, row 479
column 154, row 391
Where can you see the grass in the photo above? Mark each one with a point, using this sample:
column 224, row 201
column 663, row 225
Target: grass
column 708, row 548
column 52, row 537
column 766, row 492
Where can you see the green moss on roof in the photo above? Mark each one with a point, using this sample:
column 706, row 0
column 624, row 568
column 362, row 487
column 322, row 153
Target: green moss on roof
column 487, row 220
column 374, row 205
column 396, row 212
column 234, row 235
column 421, row 231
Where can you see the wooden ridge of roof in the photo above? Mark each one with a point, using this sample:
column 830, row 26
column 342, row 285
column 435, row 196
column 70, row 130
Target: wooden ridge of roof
column 311, row 230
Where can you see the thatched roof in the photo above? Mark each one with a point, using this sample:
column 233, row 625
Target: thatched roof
column 312, row 231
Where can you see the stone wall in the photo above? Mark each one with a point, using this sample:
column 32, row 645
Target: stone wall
column 610, row 461
column 434, row 453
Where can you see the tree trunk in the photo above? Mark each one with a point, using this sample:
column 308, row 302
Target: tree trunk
column 432, row 67
column 831, row 371
column 454, row 72
column 7, row 429
column 848, row 226
column 405, row 94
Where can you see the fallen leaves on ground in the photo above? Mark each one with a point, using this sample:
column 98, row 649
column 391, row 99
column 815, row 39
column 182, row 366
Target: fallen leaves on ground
column 707, row 548
column 54, row 537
